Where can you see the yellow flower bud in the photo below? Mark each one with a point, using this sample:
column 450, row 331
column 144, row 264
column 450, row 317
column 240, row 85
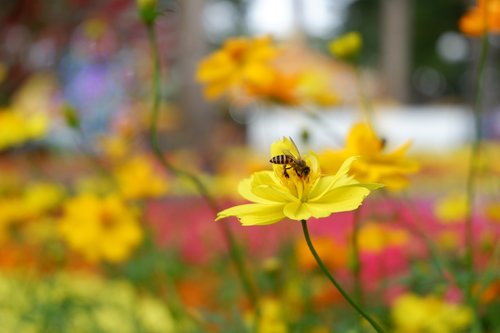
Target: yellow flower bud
column 347, row 46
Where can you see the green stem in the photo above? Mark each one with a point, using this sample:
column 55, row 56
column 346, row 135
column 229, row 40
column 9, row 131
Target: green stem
column 365, row 101
column 356, row 262
column 472, row 175
column 234, row 251
column 362, row 312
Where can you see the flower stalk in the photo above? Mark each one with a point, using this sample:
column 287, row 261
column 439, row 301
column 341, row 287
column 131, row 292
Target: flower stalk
column 234, row 251
column 346, row 296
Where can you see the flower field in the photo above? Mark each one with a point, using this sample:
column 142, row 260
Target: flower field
column 132, row 198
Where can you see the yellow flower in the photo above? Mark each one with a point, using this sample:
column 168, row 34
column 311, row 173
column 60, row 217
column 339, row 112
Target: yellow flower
column 374, row 165
column 452, row 208
column 271, row 319
column 346, row 46
column 428, row 314
column 100, row 228
column 240, row 62
column 314, row 88
column 296, row 194
column 374, row 237
column 138, row 179
column 42, row 197
column 17, row 127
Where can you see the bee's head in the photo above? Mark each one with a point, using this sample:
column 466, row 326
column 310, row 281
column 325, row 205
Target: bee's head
column 306, row 171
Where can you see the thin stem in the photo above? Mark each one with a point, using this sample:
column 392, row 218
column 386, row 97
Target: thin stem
column 366, row 106
column 356, row 261
column 473, row 172
column 234, row 251
column 362, row 312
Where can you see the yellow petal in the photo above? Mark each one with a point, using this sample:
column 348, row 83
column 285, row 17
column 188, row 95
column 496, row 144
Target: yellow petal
column 297, row 211
column 327, row 183
column 342, row 199
column 284, row 146
column 245, row 190
column 254, row 214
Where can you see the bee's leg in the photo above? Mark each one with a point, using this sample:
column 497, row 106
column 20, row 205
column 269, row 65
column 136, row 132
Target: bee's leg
column 286, row 173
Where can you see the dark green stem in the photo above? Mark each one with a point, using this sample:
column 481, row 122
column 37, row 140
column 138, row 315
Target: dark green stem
column 356, row 261
column 362, row 312
column 234, row 251
column 472, row 175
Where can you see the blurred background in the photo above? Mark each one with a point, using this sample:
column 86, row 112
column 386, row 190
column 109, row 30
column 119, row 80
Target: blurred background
column 96, row 55
column 88, row 210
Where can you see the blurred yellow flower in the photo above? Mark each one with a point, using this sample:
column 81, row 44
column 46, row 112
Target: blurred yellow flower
column 17, row 127
column 428, row 314
column 272, row 316
column 296, row 193
column 239, row 63
column 279, row 88
column 40, row 197
column 314, row 88
column 375, row 237
column 484, row 17
column 346, row 46
column 374, row 165
column 452, row 208
column 36, row 199
column 100, row 228
column 138, row 179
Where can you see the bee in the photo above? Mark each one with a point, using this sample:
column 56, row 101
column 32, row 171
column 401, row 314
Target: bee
column 291, row 162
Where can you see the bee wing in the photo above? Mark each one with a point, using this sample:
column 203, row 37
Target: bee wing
column 290, row 155
column 295, row 148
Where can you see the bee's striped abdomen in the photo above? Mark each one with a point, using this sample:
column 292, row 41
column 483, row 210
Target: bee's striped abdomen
column 281, row 159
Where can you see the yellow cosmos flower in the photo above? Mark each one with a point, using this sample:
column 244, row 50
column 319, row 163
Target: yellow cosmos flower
column 239, row 62
column 100, row 228
column 138, row 179
column 346, row 46
column 374, row 165
column 296, row 194
column 417, row 314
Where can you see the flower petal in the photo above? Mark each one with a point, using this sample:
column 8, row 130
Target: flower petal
column 245, row 190
column 341, row 199
column 254, row 214
column 327, row 183
column 297, row 211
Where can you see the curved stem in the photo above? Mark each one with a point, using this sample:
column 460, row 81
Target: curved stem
column 362, row 312
column 234, row 251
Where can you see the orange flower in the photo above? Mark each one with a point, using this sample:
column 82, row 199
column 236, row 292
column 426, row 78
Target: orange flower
column 240, row 61
column 333, row 254
column 485, row 17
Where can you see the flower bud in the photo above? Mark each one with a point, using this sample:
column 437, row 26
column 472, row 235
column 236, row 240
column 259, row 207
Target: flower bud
column 147, row 10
